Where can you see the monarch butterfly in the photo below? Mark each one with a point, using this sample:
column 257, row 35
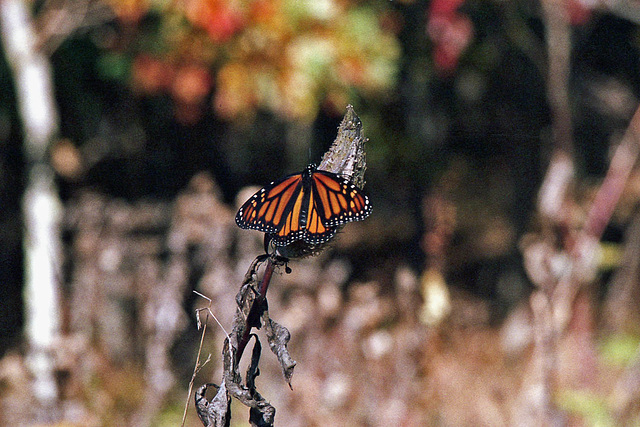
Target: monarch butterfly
column 309, row 205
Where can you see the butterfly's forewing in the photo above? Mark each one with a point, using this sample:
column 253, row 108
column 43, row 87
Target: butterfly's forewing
column 339, row 201
column 267, row 210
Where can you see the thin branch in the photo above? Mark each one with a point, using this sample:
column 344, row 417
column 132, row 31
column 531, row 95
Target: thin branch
column 624, row 158
column 537, row 407
column 59, row 19
column 199, row 366
column 558, row 34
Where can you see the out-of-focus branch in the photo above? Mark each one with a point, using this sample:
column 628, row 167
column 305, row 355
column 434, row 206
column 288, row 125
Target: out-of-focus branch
column 32, row 78
column 558, row 35
column 560, row 260
column 561, row 165
column 624, row 158
column 59, row 19
column 561, row 265
column 620, row 306
column 583, row 250
column 545, row 266
column 622, row 296
column 41, row 205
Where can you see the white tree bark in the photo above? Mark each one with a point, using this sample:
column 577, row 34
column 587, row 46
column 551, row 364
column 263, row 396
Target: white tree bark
column 41, row 205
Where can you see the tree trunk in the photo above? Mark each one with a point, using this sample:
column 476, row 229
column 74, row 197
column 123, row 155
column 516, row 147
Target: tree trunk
column 41, row 206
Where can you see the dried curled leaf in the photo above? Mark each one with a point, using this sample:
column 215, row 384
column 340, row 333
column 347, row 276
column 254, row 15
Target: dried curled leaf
column 262, row 413
column 278, row 337
column 217, row 412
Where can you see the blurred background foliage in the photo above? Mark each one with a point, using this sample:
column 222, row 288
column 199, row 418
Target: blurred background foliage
column 452, row 95
column 227, row 86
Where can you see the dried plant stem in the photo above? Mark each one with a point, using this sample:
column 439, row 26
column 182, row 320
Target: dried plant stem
column 253, row 319
column 197, row 365
column 251, row 312
column 196, row 369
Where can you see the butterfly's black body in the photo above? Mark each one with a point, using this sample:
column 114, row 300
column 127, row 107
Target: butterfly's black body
column 306, row 192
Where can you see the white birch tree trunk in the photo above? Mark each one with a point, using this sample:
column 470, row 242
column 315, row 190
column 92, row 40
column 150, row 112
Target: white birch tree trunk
column 41, row 206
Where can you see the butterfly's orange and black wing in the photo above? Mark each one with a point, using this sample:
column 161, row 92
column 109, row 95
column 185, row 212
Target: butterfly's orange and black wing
column 333, row 201
column 310, row 205
column 315, row 229
column 271, row 209
column 338, row 200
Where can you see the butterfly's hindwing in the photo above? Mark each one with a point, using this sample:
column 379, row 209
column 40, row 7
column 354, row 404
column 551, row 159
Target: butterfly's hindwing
column 317, row 232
